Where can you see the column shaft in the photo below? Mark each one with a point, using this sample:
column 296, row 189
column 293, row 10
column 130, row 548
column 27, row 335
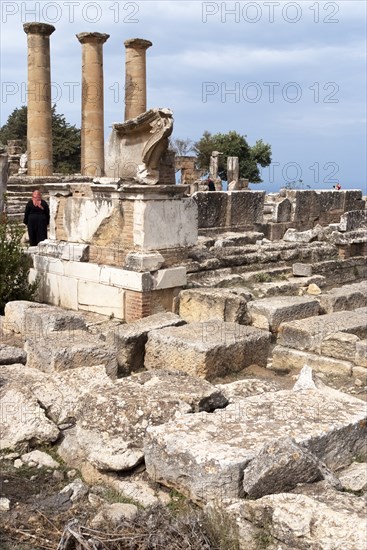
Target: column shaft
column 39, row 119
column 92, row 134
column 135, row 80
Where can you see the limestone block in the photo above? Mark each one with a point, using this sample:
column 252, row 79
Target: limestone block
column 114, row 514
column 140, row 261
column 360, row 373
column 169, row 278
column 238, row 390
column 39, row 458
column 361, row 354
column 71, row 350
column 344, row 298
column 302, row 270
column 340, row 345
column 246, row 208
column 269, row 313
column 279, row 467
column 288, row 359
column 309, row 521
column 355, row 219
column 42, row 322
column 203, row 304
column 207, row 349
column 354, row 478
column 205, row 456
column 14, row 320
column 282, row 211
column 103, row 299
column 59, row 290
column 308, row 334
column 130, row 339
column 10, row 355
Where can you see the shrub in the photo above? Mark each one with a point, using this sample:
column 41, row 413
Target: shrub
column 14, row 265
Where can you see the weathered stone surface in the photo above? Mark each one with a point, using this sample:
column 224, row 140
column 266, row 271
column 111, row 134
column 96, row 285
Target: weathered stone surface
column 308, row 334
column 347, row 297
column 340, row 345
column 361, row 354
column 64, row 351
column 22, row 418
column 204, row 455
column 302, row 270
column 110, row 423
column 209, row 303
column 238, row 390
column 269, row 313
column 354, row 219
column 279, row 467
column 10, row 355
column 130, row 339
column 207, row 349
column 354, row 478
column 282, row 211
column 294, row 236
column 288, row 359
column 306, row 521
column 39, row 320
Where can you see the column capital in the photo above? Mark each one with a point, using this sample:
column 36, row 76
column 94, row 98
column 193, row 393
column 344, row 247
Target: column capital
column 92, row 37
column 38, row 28
column 138, row 43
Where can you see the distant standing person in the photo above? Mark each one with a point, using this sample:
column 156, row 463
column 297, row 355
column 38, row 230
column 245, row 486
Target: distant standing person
column 211, row 186
column 36, row 218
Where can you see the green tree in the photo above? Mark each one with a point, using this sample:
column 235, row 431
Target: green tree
column 233, row 145
column 65, row 139
column 14, row 265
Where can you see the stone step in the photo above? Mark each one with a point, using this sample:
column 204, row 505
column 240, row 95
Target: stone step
column 345, row 298
column 308, row 334
column 269, row 313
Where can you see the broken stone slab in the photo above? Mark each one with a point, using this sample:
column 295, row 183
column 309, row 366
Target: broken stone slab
column 345, row 298
column 280, row 466
column 204, row 456
column 354, row 219
column 340, row 345
column 130, row 340
column 9, row 355
column 63, row 351
column 269, row 313
column 308, row 334
column 109, row 425
column 282, row 211
column 286, row 359
column 305, row 521
column 354, row 477
column 197, row 305
column 294, row 236
column 208, row 349
column 23, row 420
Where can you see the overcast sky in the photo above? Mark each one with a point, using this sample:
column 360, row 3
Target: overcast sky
column 290, row 73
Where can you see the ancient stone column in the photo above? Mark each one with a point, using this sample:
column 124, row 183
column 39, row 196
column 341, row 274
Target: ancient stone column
column 233, row 169
column 135, row 80
column 39, row 127
column 92, row 134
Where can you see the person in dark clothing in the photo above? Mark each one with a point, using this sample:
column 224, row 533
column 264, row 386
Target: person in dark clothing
column 36, row 218
column 211, row 186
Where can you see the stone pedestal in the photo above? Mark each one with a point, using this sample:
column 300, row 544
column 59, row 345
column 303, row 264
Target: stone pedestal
column 92, row 134
column 122, row 247
column 39, row 127
column 135, row 81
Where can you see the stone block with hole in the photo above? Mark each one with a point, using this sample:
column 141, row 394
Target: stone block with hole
column 269, row 313
column 207, row 350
